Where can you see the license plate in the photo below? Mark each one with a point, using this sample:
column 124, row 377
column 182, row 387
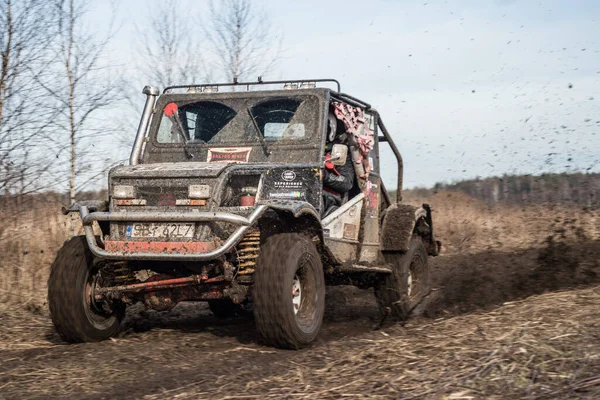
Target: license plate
column 160, row 230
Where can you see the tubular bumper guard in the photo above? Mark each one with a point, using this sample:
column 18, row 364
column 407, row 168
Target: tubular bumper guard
column 88, row 218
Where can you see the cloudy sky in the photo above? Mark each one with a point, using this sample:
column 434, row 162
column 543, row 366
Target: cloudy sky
column 467, row 88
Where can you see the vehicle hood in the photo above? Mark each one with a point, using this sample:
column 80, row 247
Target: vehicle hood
column 169, row 170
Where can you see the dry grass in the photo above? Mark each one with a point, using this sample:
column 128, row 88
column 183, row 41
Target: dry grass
column 30, row 239
column 466, row 224
column 543, row 347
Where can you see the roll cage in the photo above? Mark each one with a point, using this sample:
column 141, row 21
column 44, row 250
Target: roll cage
column 293, row 86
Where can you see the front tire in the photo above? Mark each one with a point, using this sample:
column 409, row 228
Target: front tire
column 70, row 284
column 404, row 290
column 289, row 291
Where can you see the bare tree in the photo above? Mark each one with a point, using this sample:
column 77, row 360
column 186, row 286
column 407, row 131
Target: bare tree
column 235, row 41
column 25, row 32
column 169, row 49
column 167, row 52
column 84, row 86
column 242, row 40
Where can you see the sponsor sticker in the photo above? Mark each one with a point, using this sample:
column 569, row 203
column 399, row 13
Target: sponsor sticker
column 236, row 154
column 371, row 195
column 288, row 185
column 349, row 231
column 287, row 195
column 288, row 176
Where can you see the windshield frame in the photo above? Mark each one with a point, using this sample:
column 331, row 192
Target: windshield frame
column 312, row 147
column 257, row 96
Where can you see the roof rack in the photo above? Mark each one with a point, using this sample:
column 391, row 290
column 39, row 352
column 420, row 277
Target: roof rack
column 248, row 84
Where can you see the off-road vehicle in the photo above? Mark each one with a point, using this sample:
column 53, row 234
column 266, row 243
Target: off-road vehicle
column 222, row 201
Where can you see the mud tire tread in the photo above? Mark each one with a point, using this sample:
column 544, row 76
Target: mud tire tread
column 67, row 311
column 279, row 258
column 391, row 293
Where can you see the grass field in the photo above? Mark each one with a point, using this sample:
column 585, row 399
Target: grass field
column 30, row 239
column 513, row 314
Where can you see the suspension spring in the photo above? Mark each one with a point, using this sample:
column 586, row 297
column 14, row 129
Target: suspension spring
column 122, row 273
column 247, row 252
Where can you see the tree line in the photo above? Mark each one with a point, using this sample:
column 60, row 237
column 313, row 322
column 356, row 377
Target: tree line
column 567, row 188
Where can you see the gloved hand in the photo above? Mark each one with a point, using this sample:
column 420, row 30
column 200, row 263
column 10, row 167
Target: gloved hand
column 329, row 165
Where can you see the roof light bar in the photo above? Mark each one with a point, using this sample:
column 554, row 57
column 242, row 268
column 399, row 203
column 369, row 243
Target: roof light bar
column 292, row 84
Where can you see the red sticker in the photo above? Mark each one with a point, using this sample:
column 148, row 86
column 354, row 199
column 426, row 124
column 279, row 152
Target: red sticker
column 170, row 109
column 238, row 154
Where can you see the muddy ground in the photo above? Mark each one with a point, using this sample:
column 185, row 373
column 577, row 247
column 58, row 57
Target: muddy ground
column 522, row 324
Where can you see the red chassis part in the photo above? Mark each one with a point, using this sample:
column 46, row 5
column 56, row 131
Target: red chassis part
column 163, row 294
column 157, row 284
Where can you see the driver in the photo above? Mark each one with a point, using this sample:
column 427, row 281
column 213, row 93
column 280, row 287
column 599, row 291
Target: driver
column 337, row 180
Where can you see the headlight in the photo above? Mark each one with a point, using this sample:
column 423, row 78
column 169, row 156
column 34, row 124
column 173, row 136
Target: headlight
column 123, row 192
column 199, row 191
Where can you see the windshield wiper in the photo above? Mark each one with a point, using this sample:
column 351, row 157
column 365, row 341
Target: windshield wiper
column 179, row 128
column 262, row 140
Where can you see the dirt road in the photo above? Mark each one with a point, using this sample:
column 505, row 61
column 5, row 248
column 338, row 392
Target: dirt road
column 476, row 341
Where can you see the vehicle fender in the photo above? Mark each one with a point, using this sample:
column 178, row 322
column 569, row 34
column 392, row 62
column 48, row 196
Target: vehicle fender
column 399, row 224
column 295, row 208
column 300, row 216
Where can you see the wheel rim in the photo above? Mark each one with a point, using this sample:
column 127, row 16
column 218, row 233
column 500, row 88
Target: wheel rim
column 307, row 297
column 296, row 294
column 98, row 318
column 415, row 271
column 409, row 284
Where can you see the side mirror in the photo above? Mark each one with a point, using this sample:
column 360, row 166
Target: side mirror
column 339, row 154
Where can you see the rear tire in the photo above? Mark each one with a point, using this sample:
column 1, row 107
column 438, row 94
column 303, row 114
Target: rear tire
column 74, row 316
column 289, row 291
column 404, row 290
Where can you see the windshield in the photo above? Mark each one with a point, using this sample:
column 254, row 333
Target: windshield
column 281, row 119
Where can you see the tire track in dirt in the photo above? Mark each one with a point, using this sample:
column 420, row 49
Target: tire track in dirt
column 167, row 352
column 171, row 351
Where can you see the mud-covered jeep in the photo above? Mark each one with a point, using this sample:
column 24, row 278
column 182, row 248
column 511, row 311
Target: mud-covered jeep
column 224, row 201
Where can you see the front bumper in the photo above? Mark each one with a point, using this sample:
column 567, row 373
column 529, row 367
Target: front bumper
column 173, row 251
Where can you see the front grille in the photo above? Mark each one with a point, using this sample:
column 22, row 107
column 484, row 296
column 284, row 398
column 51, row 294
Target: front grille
column 162, row 192
column 160, row 196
